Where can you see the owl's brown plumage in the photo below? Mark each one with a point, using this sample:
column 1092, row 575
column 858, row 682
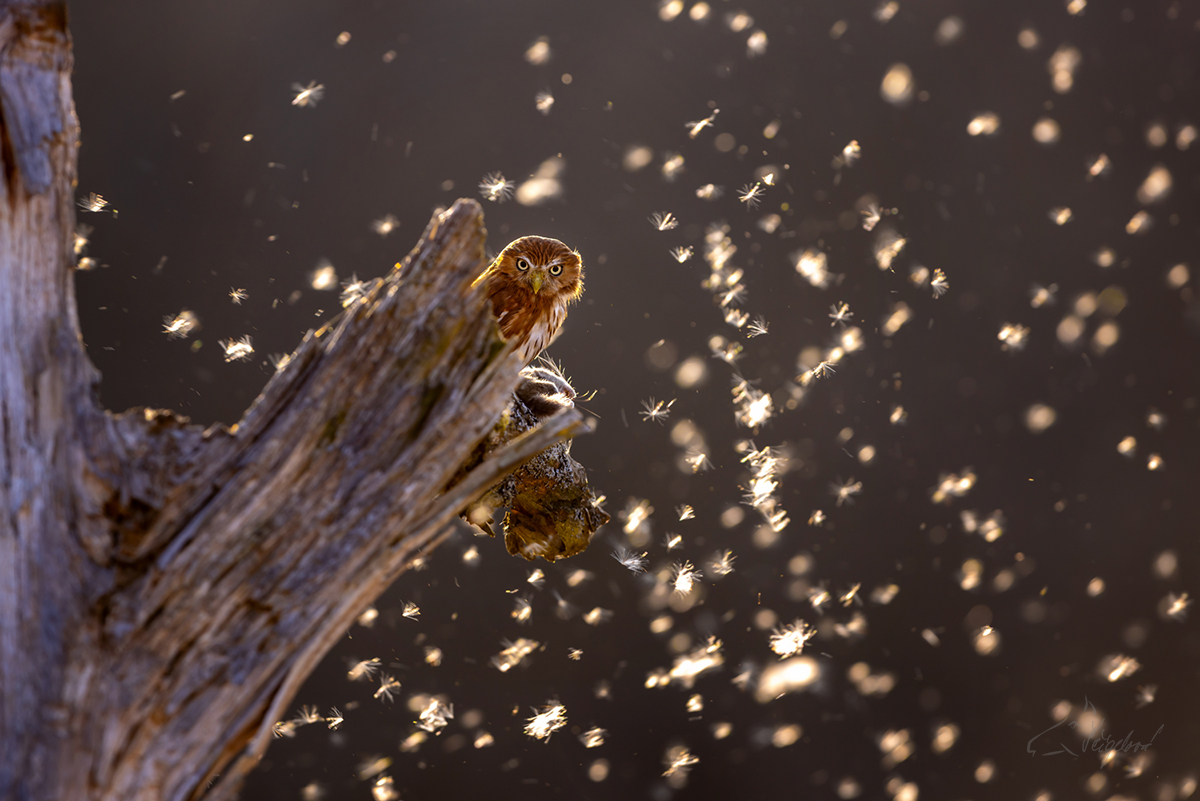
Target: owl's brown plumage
column 530, row 285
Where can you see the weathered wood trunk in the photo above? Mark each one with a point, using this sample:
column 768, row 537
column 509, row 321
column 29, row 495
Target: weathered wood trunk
column 164, row 590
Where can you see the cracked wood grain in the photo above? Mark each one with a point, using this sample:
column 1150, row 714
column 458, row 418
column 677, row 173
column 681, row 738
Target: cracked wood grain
column 165, row 589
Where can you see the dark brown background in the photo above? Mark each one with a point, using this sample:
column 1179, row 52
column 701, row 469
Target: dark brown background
column 197, row 204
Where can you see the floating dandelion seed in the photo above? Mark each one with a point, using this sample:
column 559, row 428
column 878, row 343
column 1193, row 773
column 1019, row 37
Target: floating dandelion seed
column 1062, row 66
column 756, row 45
column 985, row 124
column 682, row 254
column 1046, row 131
column 678, row 760
column 697, row 459
column 754, row 407
column 822, row 370
column 636, row 514
column 495, row 187
column 685, row 512
column 237, row 349
column 732, row 295
column 672, row 166
column 770, row 222
column 180, row 325
column 522, row 610
column 237, row 296
column 1101, row 165
column 1175, row 606
column 593, row 738
column 1139, row 223
column 851, row 153
column 385, row 225
column 757, row 327
column 722, row 563
column 544, row 101
column 760, row 493
column 352, row 290
column 372, row 765
column 840, row 313
column 656, row 411
column 736, row 317
column 886, row 10
column 1061, row 215
column 939, row 283
column 813, row 266
column 411, row 610
column 1156, row 187
column 308, row 714
column 93, row 203
column 888, row 245
column 324, row 277
column 751, row 194
column 709, row 192
column 789, row 640
column 597, row 616
column 538, row 52
column 739, row 22
column 684, row 578
column 335, row 718
column 663, row 220
column 284, row 728
column 845, row 492
column 387, row 686
column 514, row 654
column 308, row 96
column 384, row 789
column 694, row 128
column 82, row 232
column 435, row 716
column 1119, row 666
column 634, row 562
column 365, row 669
column 897, row 85
column 545, row 723
column 919, row 275
column 953, row 485
column 537, row 578
column 672, row 541
column 1040, row 296
column 1013, row 336
column 870, row 217
column 688, row 667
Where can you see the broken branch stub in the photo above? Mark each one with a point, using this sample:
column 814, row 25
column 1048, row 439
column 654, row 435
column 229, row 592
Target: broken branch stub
column 551, row 510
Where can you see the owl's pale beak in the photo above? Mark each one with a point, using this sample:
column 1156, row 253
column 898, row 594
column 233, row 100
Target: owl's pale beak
column 536, row 281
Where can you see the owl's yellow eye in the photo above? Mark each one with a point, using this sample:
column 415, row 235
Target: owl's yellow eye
column 556, row 269
column 522, row 265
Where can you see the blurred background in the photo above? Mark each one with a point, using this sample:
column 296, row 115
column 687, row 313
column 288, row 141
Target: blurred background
column 891, row 324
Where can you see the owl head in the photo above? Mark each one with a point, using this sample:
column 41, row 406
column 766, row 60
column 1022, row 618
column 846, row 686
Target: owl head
column 543, row 266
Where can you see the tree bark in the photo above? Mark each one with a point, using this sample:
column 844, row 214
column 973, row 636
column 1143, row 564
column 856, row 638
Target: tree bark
column 164, row 590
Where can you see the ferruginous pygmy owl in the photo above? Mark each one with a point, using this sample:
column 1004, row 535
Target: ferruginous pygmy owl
column 530, row 285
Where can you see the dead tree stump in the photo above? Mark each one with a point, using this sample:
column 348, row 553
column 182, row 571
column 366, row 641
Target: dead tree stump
column 164, row 590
